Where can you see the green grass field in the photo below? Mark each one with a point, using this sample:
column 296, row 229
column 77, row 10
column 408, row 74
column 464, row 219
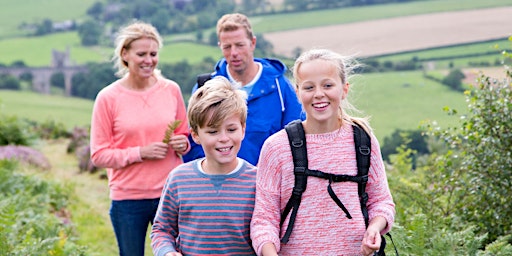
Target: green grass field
column 280, row 22
column 402, row 100
column 398, row 100
column 36, row 51
column 33, row 106
column 40, row 53
column 14, row 13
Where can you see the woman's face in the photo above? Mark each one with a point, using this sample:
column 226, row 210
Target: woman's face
column 320, row 90
column 142, row 57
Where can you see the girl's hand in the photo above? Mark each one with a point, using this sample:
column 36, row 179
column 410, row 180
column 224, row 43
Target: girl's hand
column 372, row 239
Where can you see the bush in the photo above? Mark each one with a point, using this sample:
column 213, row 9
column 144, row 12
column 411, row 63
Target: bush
column 31, row 219
column 14, row 131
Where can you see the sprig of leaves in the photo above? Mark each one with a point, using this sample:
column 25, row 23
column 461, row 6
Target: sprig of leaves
column 171, row 127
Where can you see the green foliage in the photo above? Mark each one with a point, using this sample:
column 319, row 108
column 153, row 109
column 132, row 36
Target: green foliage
column 90, row 32
column 454, row 80
column 32, row 216
column 417, row 142
column 480, row 151
column 14, row 131
column 50, row 129
column 9, row 82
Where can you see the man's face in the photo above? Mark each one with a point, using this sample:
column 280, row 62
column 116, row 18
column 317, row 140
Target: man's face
column 238, row 49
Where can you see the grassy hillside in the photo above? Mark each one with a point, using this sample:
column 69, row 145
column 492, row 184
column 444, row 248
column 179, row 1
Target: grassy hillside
column 280, row 22
column 402, row 100
column 15, row 13
column 36, row 51
column 393, row 100
column 33, row 106
column 40, row 53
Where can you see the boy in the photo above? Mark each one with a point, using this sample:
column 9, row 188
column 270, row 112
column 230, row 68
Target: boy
column 207, row 204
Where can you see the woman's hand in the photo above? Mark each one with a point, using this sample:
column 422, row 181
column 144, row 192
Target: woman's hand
column 155, row 150
column 179, row 143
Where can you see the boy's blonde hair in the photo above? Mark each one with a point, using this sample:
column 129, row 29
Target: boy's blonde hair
column 126, row 36
column 215, row 101
column 232, row 22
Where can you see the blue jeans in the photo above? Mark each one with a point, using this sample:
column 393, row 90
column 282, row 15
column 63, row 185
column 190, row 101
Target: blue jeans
column 130, row 219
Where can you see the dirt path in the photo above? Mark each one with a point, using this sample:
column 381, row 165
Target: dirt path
column 399, row 34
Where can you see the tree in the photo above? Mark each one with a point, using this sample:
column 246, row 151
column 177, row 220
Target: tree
column 57, row 79
column 478, row 164
column 9, row 82
column 44, row 28
column 96, row 10
column 90, row 32
column 454, row 80
column 415, row 141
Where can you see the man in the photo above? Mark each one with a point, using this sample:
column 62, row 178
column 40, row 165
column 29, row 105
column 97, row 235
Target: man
column 272, row 102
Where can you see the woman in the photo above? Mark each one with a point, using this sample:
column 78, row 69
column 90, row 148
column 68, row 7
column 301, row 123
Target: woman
column 129, row 122
column 321, row 227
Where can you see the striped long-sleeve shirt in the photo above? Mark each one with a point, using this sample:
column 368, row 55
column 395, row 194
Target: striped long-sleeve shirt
column 205, row 214
column 321, row 227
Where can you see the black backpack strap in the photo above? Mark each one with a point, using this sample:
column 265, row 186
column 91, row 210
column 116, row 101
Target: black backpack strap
column 297, row 139
column 363, row 152
column 362, row 142
column 202, row 78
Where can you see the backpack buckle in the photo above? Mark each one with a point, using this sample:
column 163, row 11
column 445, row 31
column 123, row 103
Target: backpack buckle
column 364, row 150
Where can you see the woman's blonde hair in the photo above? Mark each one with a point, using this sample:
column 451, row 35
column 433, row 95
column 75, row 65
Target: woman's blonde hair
column 126, row 36
column 346, row 66
column 215, row 101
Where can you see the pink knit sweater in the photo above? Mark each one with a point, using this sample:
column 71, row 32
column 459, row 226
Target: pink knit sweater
column 123, row 121
column 321, row 227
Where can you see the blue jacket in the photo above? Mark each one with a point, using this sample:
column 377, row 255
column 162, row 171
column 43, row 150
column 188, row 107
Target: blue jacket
column 271, row 105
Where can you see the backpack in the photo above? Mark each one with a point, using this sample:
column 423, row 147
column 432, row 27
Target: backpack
column 202, row 78
column 297, row 140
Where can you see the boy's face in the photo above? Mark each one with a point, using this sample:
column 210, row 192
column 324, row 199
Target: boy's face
column 221, row 144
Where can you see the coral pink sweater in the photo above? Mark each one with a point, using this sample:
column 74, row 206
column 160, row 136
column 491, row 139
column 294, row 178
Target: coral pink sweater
column 123, row 121
column 321, row 227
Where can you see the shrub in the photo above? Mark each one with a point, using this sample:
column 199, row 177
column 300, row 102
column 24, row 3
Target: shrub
column 25, row 154
column 29, row 223
column 15, row 131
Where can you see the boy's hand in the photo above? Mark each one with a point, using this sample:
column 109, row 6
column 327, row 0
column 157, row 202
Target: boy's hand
column 173, row 254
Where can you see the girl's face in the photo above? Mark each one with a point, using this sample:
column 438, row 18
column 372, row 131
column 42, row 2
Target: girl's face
column 142, row 57
column 320, row 90
column 221, row 144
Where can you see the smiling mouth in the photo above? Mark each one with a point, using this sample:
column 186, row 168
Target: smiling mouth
column 224, row 149
column 320, row 105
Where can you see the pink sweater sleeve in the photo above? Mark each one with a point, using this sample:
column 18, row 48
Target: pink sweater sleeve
column 105, row 152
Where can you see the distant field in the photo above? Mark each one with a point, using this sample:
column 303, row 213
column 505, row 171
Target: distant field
column 36, row 51
column 394, row 100
column 33, row 106
column 39, row 51
column 401, row 100
column 301, row 20
column 14, row 13
column 399, row 34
